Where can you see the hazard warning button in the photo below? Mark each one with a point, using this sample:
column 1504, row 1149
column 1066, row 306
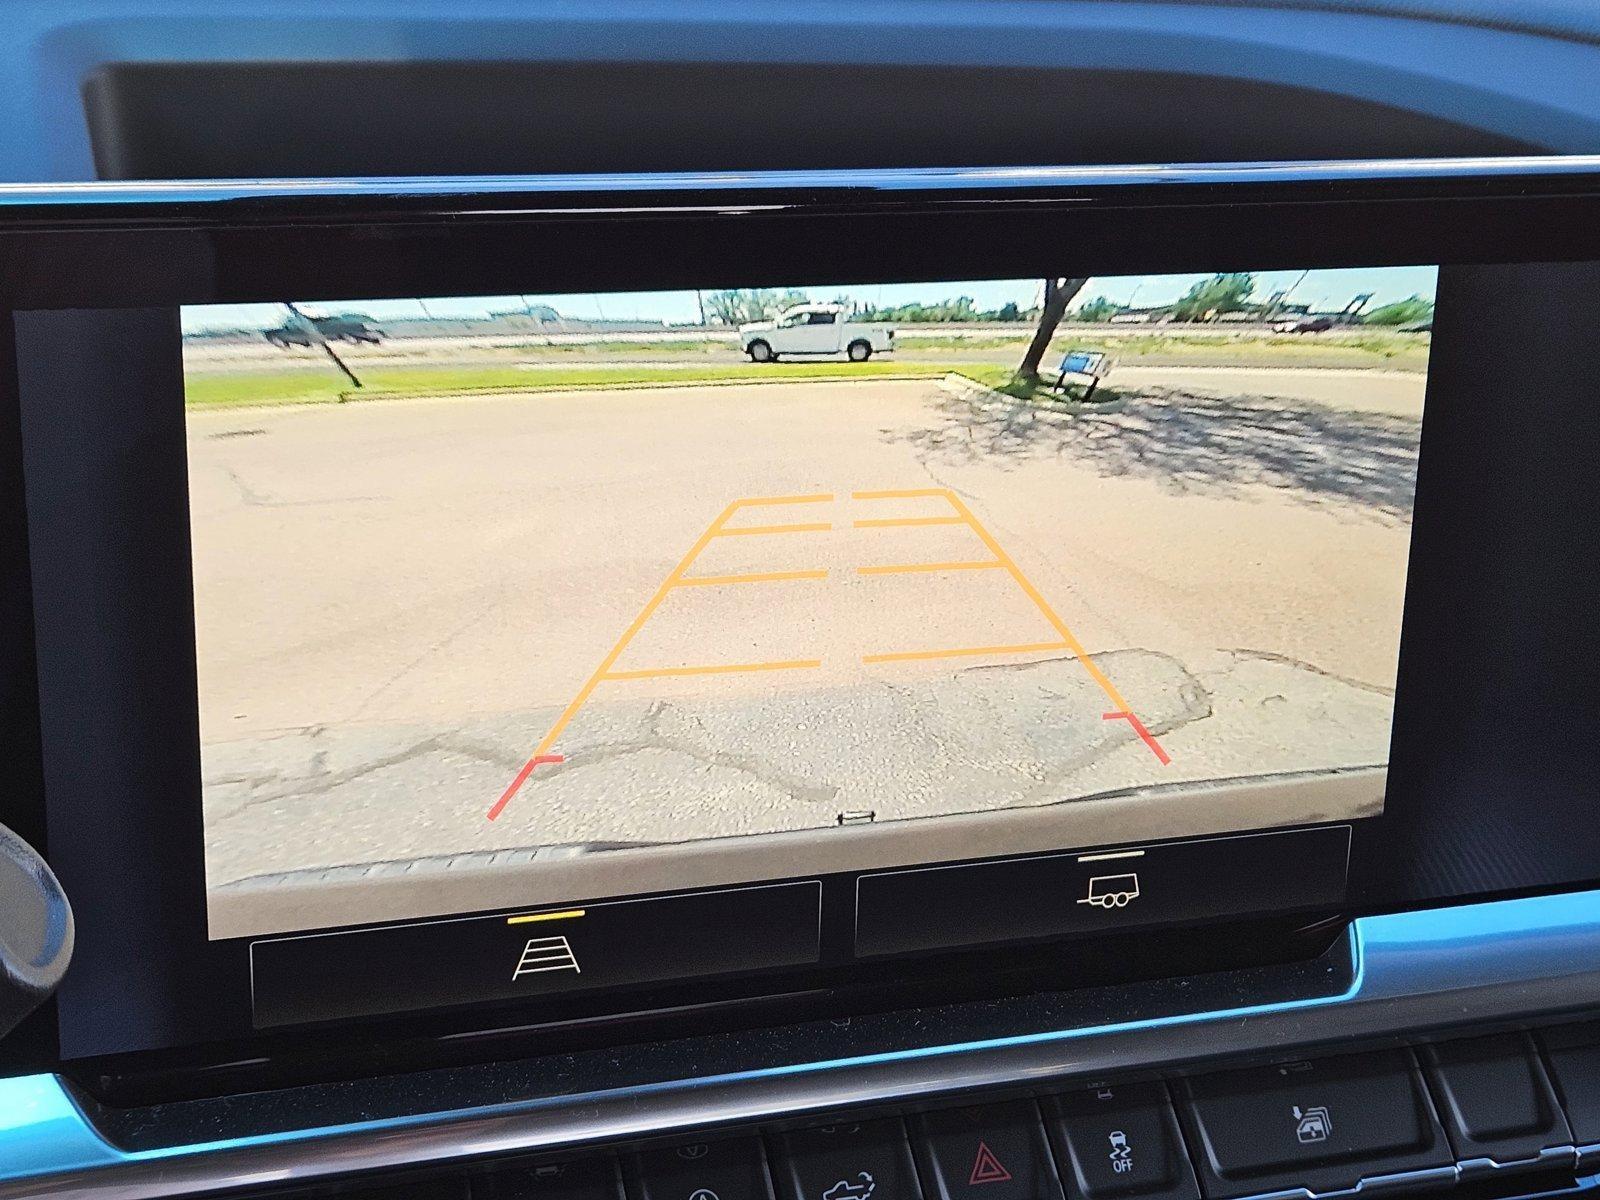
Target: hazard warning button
column 986, row 1152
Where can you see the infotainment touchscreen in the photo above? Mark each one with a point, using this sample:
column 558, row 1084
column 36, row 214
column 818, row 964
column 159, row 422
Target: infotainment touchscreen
column 520, row 602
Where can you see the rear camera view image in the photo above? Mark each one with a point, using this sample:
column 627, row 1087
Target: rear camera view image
column 522, row 600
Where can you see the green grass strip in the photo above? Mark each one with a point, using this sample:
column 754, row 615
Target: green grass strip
column 248, row 388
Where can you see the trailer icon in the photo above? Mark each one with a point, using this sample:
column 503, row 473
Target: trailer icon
column 1112, row 891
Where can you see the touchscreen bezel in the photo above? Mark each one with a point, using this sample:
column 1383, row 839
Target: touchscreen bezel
column 139, row 249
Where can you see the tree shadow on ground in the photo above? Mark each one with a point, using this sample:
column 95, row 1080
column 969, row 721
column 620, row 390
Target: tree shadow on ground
column 1193, row 443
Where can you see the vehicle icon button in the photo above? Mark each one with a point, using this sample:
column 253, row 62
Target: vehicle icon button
column 1112, row 891
column 867, row 1160
column 735, row 1169
column 1121, row 1142
column 859, row 1188
column 1121, row 1155
column 1322, row 1125
column 1312, row 1124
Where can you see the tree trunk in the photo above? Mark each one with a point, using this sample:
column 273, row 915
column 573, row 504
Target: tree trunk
column 1058, row 293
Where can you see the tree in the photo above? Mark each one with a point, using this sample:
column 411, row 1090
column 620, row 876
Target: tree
column 1097, row 310
column 1008, row 312
column 731, row 307
column 735, row 306
column 1058, row 293
column 1219, row 294
column 961, row 308
column 1411, row 311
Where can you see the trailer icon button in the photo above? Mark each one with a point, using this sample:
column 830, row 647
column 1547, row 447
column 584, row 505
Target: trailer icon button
column 1112, row 891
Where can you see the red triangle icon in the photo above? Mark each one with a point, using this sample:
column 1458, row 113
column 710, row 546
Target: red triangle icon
column 986, row 1168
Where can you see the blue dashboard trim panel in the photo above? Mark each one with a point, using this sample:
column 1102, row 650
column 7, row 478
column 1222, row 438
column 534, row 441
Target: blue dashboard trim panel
column 1520, row 68
column 1455, row 957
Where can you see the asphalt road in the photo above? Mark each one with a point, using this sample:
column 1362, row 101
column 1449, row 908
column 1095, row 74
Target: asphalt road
column 400, row 603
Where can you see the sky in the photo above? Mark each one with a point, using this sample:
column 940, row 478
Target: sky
column 1321, row 289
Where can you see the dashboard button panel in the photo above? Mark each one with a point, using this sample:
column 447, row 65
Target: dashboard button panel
column 444, row 1188
column 1496, row 1101
column 1054, row 895
column 868, row 1160
column 1390, row 1122
column 1573, row 1053
column 1121, row 1142
column 578, row 1179
column 1323, row 1125
column 366, row 972
column 986, row 1152
column 735, row 1169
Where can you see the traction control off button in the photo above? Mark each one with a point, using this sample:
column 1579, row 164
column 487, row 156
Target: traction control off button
column 1121, row 1142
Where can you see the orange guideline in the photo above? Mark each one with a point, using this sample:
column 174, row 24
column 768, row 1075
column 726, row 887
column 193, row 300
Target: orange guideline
column 717, row 528
column 679, row 577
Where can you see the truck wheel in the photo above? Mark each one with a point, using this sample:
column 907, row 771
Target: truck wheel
column 760, row 351
column 859, row 351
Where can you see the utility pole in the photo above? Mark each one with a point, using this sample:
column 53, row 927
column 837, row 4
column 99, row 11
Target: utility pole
column 1283, row 296
column 317, row 339
column 1352, row 311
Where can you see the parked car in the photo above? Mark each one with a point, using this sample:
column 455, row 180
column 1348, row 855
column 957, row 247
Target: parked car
column 332, row 329
column 815, row 329
column 1303, row 325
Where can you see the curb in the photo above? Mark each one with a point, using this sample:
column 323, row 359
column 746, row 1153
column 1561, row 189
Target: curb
column 973, row 392
column 970, row 389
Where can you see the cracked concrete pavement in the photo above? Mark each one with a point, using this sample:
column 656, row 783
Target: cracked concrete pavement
column 397, row 600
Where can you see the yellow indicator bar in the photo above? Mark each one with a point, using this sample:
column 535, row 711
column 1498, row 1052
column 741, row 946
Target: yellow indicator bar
column 749, row 530
column 565, row 914
column 911, row 568
column 727, row 669
column 759, row 501
column 963, row 652
column 888, row 522
column 763, row 577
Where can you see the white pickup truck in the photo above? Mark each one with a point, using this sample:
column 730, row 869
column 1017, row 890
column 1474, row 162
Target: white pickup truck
column 815, row 329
